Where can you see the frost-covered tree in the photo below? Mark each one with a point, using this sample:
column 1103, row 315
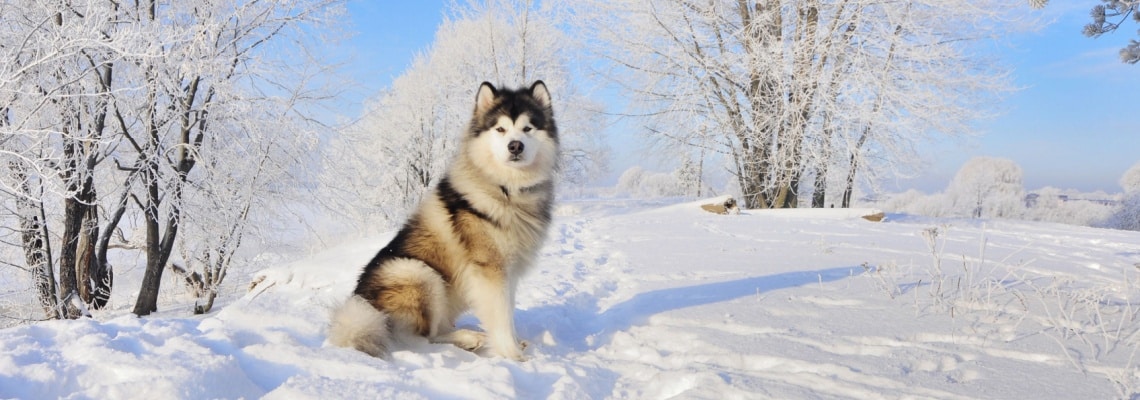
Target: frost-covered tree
column 689, row 176
column 406, row 135
column 170, row 118
column 385, row 161
column 55, row 100
column 1127, row 213
column 788, row 89
column 1107, row 17
column 220, row 95
column 1130, row 181
column 988, row 187
column 631, row 180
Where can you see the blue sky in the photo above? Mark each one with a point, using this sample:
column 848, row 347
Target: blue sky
column 1075, row 123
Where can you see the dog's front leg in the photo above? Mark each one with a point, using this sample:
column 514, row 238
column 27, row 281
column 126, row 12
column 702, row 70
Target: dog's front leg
column 493, row 302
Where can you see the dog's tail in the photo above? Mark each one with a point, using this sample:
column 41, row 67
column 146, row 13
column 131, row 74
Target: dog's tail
column 359, row 325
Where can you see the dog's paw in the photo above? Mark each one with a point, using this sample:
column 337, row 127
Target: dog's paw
column 511, row 352
column 470, row 340
column 463, row 338
column 516, row 355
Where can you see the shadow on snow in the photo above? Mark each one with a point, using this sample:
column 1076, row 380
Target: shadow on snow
column 580, row 325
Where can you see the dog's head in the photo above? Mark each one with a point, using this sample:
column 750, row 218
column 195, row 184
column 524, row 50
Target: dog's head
column 513, row 131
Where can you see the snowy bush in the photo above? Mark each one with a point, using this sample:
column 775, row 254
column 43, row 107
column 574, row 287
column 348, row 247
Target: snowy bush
column 1130, row 181
column 984, row 187
column 1127, row 214
column 1051, row 204
column 637, row 182
column 917, row 203
column 987, row 187
column 1047, row 204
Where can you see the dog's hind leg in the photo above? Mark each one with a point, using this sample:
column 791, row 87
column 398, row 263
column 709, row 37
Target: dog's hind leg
column 413, row 295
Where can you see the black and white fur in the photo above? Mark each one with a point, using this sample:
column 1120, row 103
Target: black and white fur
column 470, row 240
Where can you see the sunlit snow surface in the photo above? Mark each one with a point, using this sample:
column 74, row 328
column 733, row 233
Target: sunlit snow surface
column 634, row 299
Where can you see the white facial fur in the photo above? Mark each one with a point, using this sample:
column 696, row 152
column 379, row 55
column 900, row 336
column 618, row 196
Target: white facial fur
column 491, row 152
column 506, row 131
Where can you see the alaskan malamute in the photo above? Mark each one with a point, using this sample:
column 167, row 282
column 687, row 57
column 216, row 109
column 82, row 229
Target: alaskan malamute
column 470, row 240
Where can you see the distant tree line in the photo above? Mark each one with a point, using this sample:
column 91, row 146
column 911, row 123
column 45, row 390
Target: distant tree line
column 989, row 187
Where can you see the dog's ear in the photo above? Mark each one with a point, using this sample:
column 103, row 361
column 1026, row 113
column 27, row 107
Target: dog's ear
column 486, row 97
column 539, row 92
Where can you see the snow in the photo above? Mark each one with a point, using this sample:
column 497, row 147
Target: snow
column 636, row 299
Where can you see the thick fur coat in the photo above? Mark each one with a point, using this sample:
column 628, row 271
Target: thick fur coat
column 470, row 240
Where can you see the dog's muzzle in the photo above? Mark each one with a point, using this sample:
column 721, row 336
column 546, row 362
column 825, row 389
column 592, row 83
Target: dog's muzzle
column 515, row 147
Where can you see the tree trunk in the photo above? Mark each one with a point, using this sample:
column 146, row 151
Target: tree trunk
column 147, row 301
column 800, row 97
column 68, row 278
column 850, row 188
column 819, row 193
column 791, row 193
column 160, row 245
column 85, row 268
column 35, row 242
column 89, row 271
column 701, row 174
column 97, row 278
column 762, row 88
column 106, row 277
column 819, row 189
column 37, row 252
column 80, row 221
column 74, row 212
column 751, row 179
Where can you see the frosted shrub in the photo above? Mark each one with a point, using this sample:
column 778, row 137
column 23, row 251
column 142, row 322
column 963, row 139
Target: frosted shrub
column 637, row 182
column 1127, row 215
column 987, row 187
column 917, row 203
column 630, row 180
column 1130, row 181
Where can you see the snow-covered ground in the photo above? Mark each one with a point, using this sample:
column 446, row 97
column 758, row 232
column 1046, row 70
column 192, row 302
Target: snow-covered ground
column 650, row 301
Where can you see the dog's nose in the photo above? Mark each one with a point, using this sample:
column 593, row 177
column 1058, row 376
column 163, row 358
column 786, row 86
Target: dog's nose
column 515, row 147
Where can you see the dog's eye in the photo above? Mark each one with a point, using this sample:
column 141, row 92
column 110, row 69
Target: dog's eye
column 527, row 129
column 501, row 129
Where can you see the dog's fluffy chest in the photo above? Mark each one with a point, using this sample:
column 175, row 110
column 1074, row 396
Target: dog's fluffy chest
column 519, row 218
